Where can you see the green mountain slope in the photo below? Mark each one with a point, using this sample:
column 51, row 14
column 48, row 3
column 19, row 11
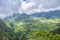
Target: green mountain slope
column 32, row 27
column 3, row 33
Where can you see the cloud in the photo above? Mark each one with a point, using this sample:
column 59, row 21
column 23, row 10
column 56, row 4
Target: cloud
column 40, row 6
column 47, row 3
column 9, row 7
column 25, row 6
column 42, row 10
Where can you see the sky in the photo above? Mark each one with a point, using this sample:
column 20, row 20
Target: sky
column 8, row 7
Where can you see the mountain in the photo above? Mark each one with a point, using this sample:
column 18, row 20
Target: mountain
column 34, row 27
column 17, row 17
column 48, row 15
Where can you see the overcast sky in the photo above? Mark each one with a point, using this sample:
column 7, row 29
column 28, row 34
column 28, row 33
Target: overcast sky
column 8, row 7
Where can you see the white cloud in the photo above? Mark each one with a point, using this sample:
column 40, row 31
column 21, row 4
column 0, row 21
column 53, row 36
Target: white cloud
column 25, row 6
column 9, row 7
column 42, row 10
column 2, row 15
column 40, row 6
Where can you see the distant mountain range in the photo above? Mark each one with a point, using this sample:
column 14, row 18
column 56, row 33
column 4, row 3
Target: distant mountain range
column 47, row 15
column 21, row 17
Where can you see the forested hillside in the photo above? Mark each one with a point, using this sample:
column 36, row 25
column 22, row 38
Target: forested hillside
column 3, row 29
column 29, row 27
column 48, row 15
column 29, row 19
column 35, row 29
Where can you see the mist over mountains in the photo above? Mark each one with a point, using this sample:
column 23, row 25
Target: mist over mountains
column 48, row 15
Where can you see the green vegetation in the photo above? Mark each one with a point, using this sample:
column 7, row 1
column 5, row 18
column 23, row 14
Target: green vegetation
column 25, row 27
column 34, row 29
column 3, row 33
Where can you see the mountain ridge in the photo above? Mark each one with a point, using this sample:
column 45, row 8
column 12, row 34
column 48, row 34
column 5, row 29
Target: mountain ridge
column 47, row 15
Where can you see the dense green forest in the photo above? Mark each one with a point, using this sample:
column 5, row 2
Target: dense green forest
column 27, row 27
